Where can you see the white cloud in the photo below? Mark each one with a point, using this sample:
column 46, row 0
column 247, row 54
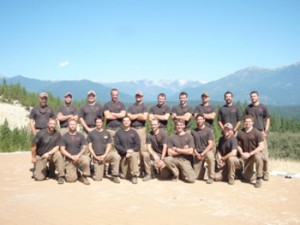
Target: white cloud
column 63, row 63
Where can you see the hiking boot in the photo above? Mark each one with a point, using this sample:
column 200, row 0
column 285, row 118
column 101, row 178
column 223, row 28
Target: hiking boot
column 209, row 181
column 134, row 180
column 96, row 179
column 231, row 181
column 258, row 183
column 174, row 178
column 266, row 177
column 115, row 180
column 60, row 180
column 84, row 180
column 147, row 177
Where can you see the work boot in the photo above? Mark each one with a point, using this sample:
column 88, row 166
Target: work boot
column 115, row 180
column 60, row 180
column 231, row 181
column 147, row 177
column 258, row 183
column 266, row 177
column 134, row 180
column 209, row 181
column 84, row 180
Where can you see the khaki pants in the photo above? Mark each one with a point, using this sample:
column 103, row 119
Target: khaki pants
column 129, row 166
column 113, row 158
column 258, row 159
column 56, row 161
column 200, row 169
column 151, row 166
column 83, row 165
column 181, row 167
column 142, row 135
column 228, row 170
column 266, row 162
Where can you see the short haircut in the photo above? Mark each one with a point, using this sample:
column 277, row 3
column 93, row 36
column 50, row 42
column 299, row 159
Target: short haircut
column 200, row 115
column 228, row 92
column 254, row 92
column 98, row 118
column 179, row 121
column 114, row 89
column 162, row 95
column 183, row 93
column 249, row 117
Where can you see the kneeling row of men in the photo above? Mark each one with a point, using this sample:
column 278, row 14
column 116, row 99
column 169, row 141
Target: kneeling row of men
column 183, row 155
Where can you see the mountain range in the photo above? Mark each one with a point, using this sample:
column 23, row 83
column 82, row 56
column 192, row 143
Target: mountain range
column 278, row 86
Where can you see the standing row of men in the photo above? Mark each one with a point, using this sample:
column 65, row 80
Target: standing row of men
column 183, row 154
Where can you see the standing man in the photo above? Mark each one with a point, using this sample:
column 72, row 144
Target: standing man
column 227, row 160
column 161, row 112
column 100, row 146
column 183, row 111
column 251, row 148
column 73, row 146
column 261, row 122
column 89, row 112
column 207, row 110
column 39, row 115
column 180, row 151
column 45, row 148
column 138, row 114
column 114, row 112
column 128, row 145
column 203, row 151
column 229, row 113
column 66, row 112
column 157, row 150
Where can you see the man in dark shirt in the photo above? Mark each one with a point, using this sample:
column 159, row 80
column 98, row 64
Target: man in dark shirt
column 251, row 148
column 45, row 148
column 114, row 112
column 138, row 114
column 100, row 146
column 157, row 150
column 73, row 146
column 227, row 160
column 203, row 151
column 229, row 113
column 88, row 113
column 183, row 111
column 39, row 115
column 161, row 112
column 128, row 145
column 261, row 122
column 207, row 110
column 66, row 112
column 180, row 151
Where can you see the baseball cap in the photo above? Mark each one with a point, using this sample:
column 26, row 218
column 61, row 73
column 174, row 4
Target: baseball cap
column 205, row 94
column 228, row 125
column 139, row 93
column 43, row 94
column 91, row 92
column 68, row 94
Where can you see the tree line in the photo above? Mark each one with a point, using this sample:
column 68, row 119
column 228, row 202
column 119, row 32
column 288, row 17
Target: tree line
column 284, row 140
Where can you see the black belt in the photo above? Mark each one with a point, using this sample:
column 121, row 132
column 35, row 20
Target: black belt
column 138, row 127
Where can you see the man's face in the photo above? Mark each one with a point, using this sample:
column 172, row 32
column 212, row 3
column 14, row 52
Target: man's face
column 154, row 125
column 183, row 100
column 228, row 99
column 228, row 132
column 99, row 124
column 200, row 121
column 43, row 101
column 254, row 98
column 91, row 98
column 179, row 127
column 248, row 123
column 72, row 125
column 114, row 96
column 161, row 100
column 68, row 99
column 138, row 98
column 204, row 99
column 51, row 125
column 126, row 122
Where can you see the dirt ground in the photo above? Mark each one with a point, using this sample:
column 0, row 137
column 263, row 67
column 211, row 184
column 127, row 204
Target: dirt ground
column 25, row 201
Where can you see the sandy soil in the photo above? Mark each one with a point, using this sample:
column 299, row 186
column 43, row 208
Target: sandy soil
column 25, row 201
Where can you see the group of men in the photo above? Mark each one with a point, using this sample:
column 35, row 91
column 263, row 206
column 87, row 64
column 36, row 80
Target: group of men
column 124, row 149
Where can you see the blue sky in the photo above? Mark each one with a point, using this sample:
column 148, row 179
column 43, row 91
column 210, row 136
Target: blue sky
column 107, row 41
